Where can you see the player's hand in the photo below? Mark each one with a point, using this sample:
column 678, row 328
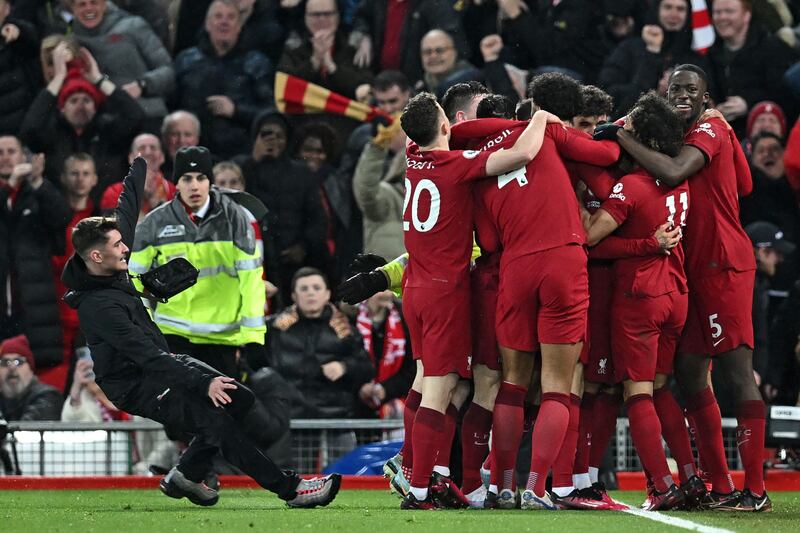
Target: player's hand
column 713, row 113
column 668, row 237
column 606, row 132
column 333, row 370
column 217, row 388
column 366, row 263
column 361, row 286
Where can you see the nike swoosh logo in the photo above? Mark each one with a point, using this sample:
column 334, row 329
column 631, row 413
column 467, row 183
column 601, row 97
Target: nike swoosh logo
column 719, row 341
column 760, row 504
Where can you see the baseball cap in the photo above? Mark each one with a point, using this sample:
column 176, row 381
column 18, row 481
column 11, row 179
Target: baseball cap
column 192, row 159
column 768, row 235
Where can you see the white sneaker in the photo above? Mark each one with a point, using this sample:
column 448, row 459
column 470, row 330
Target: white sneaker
column 477, row 497
column 507, row 499
column 531, row 501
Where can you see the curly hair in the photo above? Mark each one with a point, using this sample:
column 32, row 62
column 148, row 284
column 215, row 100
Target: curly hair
column 420, row 119
column 495, row 106
column 326, row 135
column 557, row 93
column 656, row 124
column 596, row 102
column 459, row 96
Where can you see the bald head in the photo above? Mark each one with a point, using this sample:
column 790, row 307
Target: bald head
column 438, row 52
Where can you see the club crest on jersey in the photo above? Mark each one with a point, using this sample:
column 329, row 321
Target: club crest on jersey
column 601, row 365
column 616, row 192
column 705, row 127
column 172, row 231
column 470, row 154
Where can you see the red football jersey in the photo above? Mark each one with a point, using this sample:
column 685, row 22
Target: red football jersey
column 438, row 215
column 714, row 238
column 640, row 204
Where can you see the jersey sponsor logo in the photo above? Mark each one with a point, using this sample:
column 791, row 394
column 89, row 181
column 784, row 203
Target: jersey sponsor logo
column 497, row 140
column 177, row 230
column 420, row 165
column 705, row 127
column 470, row 154
column 616, row 192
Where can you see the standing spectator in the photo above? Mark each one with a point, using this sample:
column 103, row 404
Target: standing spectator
column 747, row 63
column 782, row 382
column 179, row 130
column 157, row 189
column 764, row 117
column 22, row 396
column 441, row 65
column 261, row 29
column 287, row 188
column 129, row 52
column 314, row 347
column 36, row 216
column 387, row 32
column 225, row 309
column 81, row 110
column 222, row 83
column 86, row 401
column 228, row 175
column 18, row 79
column 638, row 63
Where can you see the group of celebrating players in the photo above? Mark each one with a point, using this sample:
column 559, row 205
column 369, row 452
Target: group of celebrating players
column 593, row 277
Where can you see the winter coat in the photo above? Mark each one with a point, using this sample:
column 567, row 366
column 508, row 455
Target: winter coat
column 40, row 402
column 127, row 49
column 19, row 79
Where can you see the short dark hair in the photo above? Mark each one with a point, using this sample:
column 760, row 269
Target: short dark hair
column 386, row 79
column 91, row 233
column 495, row 106
column 75, row 158
column 305, row 272
column 657, row 125
column 327, row 136
column 596, row 101
column 458, row 97
column 766, row 135
column 420, row 119
column 556, row 93
column 524, row 109
column 689, row 67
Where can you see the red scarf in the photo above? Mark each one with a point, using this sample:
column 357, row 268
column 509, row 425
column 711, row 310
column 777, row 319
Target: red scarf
column 394, row 342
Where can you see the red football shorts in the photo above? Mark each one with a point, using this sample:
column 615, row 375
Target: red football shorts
column 596, row 354
column 720, row 315
column 439, row 324
column 645, row 334
column 543, row 298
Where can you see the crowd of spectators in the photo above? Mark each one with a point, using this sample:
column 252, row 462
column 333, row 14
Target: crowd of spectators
column 86, row 85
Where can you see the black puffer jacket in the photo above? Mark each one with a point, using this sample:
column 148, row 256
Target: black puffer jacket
column 18, row 78
column 37, row 223
column 40, row 402
column 299, row 346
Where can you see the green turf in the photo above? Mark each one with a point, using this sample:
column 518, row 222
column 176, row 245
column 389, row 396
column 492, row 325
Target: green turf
column 353, row 512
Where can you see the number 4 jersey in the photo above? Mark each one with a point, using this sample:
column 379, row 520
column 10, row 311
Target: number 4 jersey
column 438, row 215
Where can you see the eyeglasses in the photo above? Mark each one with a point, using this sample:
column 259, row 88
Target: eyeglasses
column 17, row 361
column 439, row 50
column 321, row 14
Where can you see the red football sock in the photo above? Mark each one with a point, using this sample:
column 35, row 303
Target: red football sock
column 708, row 423
column 475, row 429
column 507, row 420
column 548, row 436
column 562, row 468
column 604, row 424
column 673, row 428
column 646, row 435
column 409, row 412
column 581, row 465
column 750, row 440
column 449, row 432
column 428, row 433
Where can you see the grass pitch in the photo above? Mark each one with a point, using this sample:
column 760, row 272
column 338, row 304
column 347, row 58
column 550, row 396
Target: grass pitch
column 353, row 511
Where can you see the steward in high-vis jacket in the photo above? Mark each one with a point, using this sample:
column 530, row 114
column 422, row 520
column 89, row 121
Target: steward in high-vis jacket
column 225, row 309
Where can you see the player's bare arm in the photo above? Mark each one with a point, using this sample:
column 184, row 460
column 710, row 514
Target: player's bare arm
column 671, row 170
column 526, row 147
column 601, row 224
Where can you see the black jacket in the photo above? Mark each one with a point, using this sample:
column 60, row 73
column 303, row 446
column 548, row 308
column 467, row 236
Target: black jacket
column 18, row 77
column 127, row 347
column 297, row 349
column 36, row 225
column 784, row 365
column 40, row 402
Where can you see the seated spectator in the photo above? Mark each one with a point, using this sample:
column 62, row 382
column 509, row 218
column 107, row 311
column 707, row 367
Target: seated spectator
column 228, row 175
column 441, row 65
column 179, row 130
column 22, row 396
column 157, row 189
column 129, row 52
column 314, row 347
column 18, row 79
column 35, row 216
column 86, row 401
column 287, row 188
column 242, row 81
column 595, row 110
column 387, row 342
column 81, row 110
column 638, row 63
column 764, row 117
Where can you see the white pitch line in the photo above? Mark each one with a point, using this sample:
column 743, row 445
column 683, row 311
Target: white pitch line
column 675, row 521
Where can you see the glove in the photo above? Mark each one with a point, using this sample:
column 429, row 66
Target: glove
column 366, row 263
column 385, row 132
column 362, row 286
column 606, row 132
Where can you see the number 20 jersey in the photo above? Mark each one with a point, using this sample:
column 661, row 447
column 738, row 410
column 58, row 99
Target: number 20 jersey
column 438, row 215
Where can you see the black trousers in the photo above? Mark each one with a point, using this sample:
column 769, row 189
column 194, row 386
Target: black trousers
column 214, row 429
column 220, row 357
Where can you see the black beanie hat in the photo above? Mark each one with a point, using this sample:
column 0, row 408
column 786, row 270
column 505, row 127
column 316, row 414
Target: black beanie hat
column 192, row 159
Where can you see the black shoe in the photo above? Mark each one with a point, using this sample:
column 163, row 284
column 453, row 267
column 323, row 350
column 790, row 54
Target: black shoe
column 175, row 485
column 694, row 490
column 410, row 502
column 757, row 504
column 732, row 501
column 446, row 494
column 491, row 500
column 665, row 501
